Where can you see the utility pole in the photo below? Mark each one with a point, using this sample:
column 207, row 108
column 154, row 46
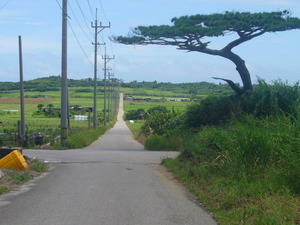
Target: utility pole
column 110, row 95
column 106, row 59
column 96, row 26
column 64, row 79
column 22, row 132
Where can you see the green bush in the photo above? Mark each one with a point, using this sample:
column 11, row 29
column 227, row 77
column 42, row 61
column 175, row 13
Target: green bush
column 257, row 150
column 241, row 154
column 213, row 110
column 138, row 114
column 158, row 108
column 162, row 143
column 271, row 100
column 265, row 100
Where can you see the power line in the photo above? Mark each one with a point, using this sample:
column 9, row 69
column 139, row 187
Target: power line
column 106, row 17
column 90, row 39
column 80, row 44
column 91, row 8
column 58, row 4
column 85, row 18
column 103, row 10
column 2, row 7
column 76, row 37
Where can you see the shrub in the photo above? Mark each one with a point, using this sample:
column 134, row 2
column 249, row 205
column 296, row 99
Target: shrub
column 161, row 109
column 160, row 122
column 162, row 143
column 265, row 100
column 138, row 114
column 212, row 110
column 264, row 150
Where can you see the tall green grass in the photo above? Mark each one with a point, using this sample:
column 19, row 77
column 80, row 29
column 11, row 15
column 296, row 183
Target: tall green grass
column 240, row 154
column 79, row 138
column 246, row 173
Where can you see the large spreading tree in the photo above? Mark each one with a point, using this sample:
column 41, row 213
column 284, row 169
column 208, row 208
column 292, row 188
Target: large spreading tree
column 188, row 33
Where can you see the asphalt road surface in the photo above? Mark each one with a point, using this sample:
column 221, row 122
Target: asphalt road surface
column 114, row 181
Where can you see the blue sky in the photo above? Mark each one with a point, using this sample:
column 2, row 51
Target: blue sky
column 271, row 56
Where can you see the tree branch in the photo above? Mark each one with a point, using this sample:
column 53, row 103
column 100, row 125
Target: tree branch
column 242, row 39
column 236, row 88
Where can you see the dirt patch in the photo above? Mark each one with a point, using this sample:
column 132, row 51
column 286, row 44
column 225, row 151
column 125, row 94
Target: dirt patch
column 141, row 139
column 27, row 100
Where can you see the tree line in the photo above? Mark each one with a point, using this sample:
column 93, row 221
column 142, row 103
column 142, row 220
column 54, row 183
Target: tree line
column 53, row 83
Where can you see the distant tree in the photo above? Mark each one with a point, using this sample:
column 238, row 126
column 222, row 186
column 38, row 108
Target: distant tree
column 158, row 108
column 50, row 106
column 138, row 114
column 188, row 33
column 40, row 106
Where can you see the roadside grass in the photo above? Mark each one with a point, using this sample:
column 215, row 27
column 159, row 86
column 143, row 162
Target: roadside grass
column 38, row 166
column 3, row 190
column 80, row 138
column 135, row 128
column 162, row 143
column 20, row 177
column 231, row 202
column 244, row 173
column 13, row 179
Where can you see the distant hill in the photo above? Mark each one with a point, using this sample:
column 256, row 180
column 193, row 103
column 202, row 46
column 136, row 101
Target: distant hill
column 53, row 83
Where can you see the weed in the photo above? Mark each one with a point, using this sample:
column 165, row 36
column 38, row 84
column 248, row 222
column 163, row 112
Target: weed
column 4, row 190
column 20, row 177
column 38, row 166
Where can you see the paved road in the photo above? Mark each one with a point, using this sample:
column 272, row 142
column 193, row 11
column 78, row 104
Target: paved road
column 112, row 182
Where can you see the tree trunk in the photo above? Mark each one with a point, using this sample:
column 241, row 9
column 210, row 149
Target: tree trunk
column 242, row 70
column 240, row 67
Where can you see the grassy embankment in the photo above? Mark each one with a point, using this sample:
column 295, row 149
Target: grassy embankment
column 244, row 169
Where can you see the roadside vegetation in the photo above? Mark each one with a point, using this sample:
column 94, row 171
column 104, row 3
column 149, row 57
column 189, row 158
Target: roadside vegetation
column 42, row 102
column 239, row 154
column 12, row 179
column 79, row 138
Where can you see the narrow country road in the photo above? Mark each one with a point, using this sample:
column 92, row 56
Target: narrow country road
column 114, row 181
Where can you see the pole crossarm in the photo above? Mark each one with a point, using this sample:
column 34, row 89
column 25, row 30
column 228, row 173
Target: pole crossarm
column 96, row 44
column 100, row 26
column 106, row 59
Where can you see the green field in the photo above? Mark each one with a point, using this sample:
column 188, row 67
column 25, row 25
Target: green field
column 80, row 96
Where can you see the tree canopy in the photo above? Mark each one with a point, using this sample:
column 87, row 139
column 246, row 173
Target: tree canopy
column 188, row 33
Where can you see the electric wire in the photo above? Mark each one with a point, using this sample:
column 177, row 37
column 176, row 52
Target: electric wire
column 107, row 19
column 59, row 5
column 88, row 1
column 76, row 37
column 88, row 37
column 5, row 4
column 103, row 11
column 84, row 17
column 79, row 43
